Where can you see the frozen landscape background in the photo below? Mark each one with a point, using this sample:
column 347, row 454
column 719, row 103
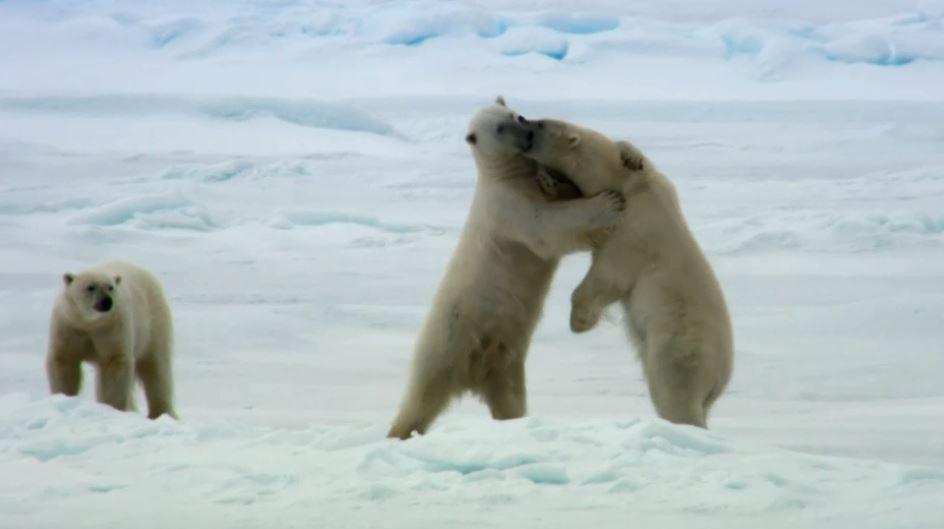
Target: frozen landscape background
column 295, row 174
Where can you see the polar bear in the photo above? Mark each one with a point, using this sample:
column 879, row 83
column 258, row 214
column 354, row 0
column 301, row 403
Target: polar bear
column 676, row 312
column 114, row 316
column 478, row 330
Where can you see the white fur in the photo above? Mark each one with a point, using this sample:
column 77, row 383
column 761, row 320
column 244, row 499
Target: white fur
column 651, row 263
column 131, row 339
column 479, row 327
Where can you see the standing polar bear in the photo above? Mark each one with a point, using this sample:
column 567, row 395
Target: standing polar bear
column 676, row 313
column 479, row 327
column 114, row 316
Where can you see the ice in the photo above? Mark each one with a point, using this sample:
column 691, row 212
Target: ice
column 305, row 113
column 167, row 210
column 328, row 474
column 415, row 28
column 321, row 218
column 190, row 48
column 579, row 23
column 295, row 174
column 526, row 40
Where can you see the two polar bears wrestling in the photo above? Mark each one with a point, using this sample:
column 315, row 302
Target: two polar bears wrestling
column 523, row 219
column 114, row 316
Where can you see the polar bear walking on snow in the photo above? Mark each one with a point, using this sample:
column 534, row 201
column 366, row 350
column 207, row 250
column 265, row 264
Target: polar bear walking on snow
column 479, row 327
column 114, row 316
column 651, row 263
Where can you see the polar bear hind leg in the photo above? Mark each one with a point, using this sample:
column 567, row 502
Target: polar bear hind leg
column 505, row 393
column 429, row 394
column 675, row 379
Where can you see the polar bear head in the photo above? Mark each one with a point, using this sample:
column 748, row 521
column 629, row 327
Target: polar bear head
column 590, row 159
column 497, row 134
column 91, row 296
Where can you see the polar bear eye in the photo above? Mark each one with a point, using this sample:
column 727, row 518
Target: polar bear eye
column 111, row 288
column 90, row 288
column 501, row 128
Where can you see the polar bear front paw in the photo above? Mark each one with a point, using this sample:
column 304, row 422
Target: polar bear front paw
column 613, row 200
column 547, row 183
column 607, row 205
column 583, row 318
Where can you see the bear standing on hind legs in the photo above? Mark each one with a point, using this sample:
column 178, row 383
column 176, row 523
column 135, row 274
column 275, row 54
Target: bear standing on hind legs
column 114, row 316
column 479, row 327
column 651, row 263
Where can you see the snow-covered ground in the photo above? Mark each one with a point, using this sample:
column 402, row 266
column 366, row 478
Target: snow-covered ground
column 295, row 174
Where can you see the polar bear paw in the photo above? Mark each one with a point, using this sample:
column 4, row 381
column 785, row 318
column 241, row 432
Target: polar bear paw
column 607, row 207
column 547, row 183
column 583, row 318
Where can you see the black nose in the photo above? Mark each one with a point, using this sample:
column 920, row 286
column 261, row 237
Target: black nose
column 530, row 135
column 105, row 304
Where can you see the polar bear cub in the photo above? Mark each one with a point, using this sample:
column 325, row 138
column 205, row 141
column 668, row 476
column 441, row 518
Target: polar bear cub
column 114, row 316
column 676, row 312
column 478, row 330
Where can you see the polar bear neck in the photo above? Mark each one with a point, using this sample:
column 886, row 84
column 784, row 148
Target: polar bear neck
column 505, row 167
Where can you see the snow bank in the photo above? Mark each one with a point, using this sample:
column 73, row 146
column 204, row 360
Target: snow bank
column 538, row 469
column 303, row 46
column 810, row 231
column 323, row 218
column 315, row 114
column 161, row 211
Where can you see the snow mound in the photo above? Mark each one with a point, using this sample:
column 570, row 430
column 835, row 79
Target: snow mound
column 210, row 173
column 840, row 232
column 315, row 114
column 291, row 219
column 538, row 40
column 413, row 28
column 578, row 23
column 634, row 467
column 158, row 211
column 319, row 38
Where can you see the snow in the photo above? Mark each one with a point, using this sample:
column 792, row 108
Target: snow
column 539, row 472
column 295, row 174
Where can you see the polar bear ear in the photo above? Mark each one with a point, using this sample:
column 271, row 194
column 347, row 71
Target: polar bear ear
column 68, row 278
column 630, row 156
column 117, row 280
column 500, row 101
column 573, row 140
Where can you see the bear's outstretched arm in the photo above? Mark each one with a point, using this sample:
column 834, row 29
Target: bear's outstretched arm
column 554, row 188
column 554, row 229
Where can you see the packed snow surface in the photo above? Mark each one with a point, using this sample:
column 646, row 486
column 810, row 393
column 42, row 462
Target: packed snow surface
column 295, row 174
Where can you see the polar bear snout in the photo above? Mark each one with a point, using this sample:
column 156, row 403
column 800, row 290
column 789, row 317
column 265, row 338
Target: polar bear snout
column 524, row 139
column 105, row 304
column 518, row 131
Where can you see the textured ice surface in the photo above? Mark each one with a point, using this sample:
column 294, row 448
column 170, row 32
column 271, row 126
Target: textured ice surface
column 295, row 174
